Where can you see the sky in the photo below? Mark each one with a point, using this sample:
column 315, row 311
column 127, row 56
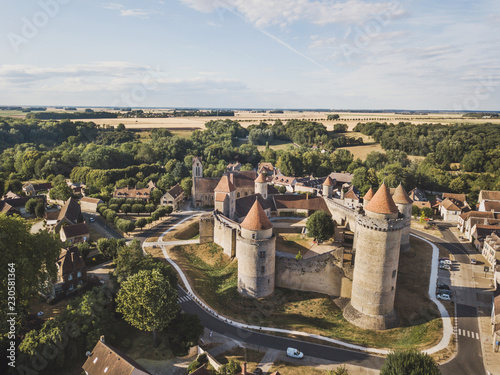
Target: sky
column 349, row 54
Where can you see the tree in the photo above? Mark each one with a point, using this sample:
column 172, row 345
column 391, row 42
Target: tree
column 109, row 246
column 137, row 208
column 185, row 331
column 40, row 209
column 281, row 189
column 231, row 368
column 411, row 362
column 340, row 128
column 125, row 225
column 427, row 211
column 84, row 248
column 148, row 301
column 126, row 208
column 290, row 165
column 30, row 205
column 141, row 223
column 186, row 185
column 320, row 226
column 33, row 256
column 415, row 211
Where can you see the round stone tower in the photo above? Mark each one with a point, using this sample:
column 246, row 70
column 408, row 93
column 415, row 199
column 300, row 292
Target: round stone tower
column 256, row 250
column 328, row 187
column 261, row 185
column 368, row 197
column 404, row 204
column 377, row 242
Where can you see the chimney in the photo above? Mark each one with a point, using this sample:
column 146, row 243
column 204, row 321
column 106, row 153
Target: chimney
column 231, row 178
column 244, row 370
column 307, row 196
column 102, row 339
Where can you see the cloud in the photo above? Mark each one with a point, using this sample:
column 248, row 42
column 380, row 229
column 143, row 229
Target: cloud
column 141, row 13
column 113, row 6
column 284, row 12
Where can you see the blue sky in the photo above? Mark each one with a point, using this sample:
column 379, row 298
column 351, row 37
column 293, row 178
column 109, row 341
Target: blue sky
column 350, row 54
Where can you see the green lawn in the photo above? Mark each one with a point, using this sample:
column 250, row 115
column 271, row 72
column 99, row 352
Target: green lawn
column 214, row 277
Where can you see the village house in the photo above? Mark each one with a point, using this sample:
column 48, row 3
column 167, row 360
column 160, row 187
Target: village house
column 10, row 195
column 452, row 206
column 75, row 233
column 287, row 182
column 70, row 214
column 489, row 200
column 76, row 187
column 480, row 232
column 11, row 206
column 71, row 272
column 88, row 204
column 491, row 249
column 341, row 179
column 142, row 194
column 33, row 189
column 267, row 168
column 467, row 221
column 104, row 359
column 174, row 197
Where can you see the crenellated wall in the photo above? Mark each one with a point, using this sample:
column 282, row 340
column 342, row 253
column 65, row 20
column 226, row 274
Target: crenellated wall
column 321, row 274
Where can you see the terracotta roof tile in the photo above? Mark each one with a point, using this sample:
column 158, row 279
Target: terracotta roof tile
column 352, row 193
column 458, row 197
column 261, row 178
column 225, row 185
column 382, row 202
column 490, row 195
column 90, row 200
column 328, row 181
column 256, row 218
column 71, row 211
column 205, row 185
column 75, row 230
column 300, row 202
column 400, row 196
column 492, row 205
column 368, row 195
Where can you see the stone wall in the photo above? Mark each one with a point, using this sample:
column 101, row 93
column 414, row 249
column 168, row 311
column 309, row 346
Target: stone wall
column 225, row 234
column 206, row 228
column 322, row 274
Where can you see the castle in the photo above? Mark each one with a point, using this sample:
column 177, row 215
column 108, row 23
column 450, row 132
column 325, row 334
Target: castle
column 240, row 225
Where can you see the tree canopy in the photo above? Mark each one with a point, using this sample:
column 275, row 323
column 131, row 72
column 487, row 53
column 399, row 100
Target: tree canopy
column 409, row 362
column 320, row 226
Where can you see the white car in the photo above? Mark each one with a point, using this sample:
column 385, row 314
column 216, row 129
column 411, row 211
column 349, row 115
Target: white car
column 444, row 297
column 447, row 261
column 444, row 266
column 294, row 353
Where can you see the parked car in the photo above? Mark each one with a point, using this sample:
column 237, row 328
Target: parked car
column 445, row 266
column 443, row 286
column 444, row 291
column 91, row 219
column 447, row 261
column 473, row 261
column 444, row 297
column 294, row 353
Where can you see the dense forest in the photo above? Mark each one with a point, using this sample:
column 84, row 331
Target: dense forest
column 105, row 157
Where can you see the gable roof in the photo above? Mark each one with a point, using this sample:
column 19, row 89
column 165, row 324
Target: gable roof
column 104, row 357
column 71, row 211
column 492, row 205
column 21, row 202
column 382, row 202
column 244, row 204
column 472, row 214
column 91, row 200
column 352, row 193
column 225, row 185
column 10, row 195
column 459, row 197
column 7, row 208
column 489, row 195
column 400, row 196
column 127, row 192
column 242, row 179
column 176, row 191
column 256, row 218
column 204, row 185
column 70, row 260
column 417, row 195
column 75, row 230
column 284, row 180
column 449, row 205
column 341, row 178
column 300, row 202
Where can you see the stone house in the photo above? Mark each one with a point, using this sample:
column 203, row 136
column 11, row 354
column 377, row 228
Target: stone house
column 33, row 189
column 71, row 272
column 267, row 168
column 480, row 232
column 174, row 197
column 234, row 167
column 351, row 198
column 133, row 193
column 12, row 206
column 75, row 233
column 104, row 359
column 452, row 206
column 287, row 182
column 90, row 204
column 489, row 200
column 467, row 221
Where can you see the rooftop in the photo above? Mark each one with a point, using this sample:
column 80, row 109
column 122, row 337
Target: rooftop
column 400, row 196
column 261, row 178
column 369, row 195
column 256, row 218
column 225, row 185
column 328, row 181
column 382, row 202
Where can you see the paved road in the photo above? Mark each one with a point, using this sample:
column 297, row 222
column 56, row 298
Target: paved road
column 98, row 221
column 280, row 343
column 469, row 359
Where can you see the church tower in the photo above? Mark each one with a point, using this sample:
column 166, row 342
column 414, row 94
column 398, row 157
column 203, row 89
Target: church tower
column 225, row 197
column 197, row 167
column 261, row 185
column 256, row 251
column 404, row 204
column 328, row 187
column 377, row 244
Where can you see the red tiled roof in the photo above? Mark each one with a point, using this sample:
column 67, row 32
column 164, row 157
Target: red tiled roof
column 458, row 197
column 341, row 177
column 75, row 230
column 328, row 181
column 205, row 185
column 490, row 195
column 382, row 202
column 132, row 193
column 400, row 196
column 351, row 194
column 283, row 180
column 470, row 214
column 492, row 205
column 449, row 205
column 261, row 178
column 256, row 218
column 220, row 197
column 300, row 202
column 90, row 200
column 368, row 195
column 225, row 185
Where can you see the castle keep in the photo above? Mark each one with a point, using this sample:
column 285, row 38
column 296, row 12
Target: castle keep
column 241, row 226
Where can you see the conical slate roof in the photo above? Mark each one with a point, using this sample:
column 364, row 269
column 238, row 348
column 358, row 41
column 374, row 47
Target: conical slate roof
column 328, row 182
column 256, row 218
column 400, row 196
column 382, row 202
column 261, row 178
column 369, row 195
column 225, row 185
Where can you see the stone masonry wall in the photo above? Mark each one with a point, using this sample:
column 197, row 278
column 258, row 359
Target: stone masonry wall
column 321, row 274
